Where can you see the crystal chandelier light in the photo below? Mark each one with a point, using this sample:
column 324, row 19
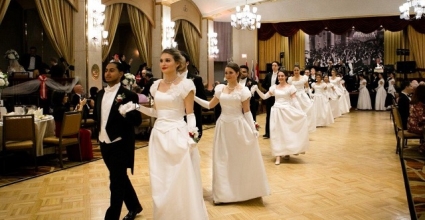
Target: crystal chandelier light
column 417, row 5
column 245, row 19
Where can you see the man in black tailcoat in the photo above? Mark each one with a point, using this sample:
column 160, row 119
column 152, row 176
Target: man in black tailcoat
column 117, row 140
column 200, row 91
column 248, row 82
column 269, row 80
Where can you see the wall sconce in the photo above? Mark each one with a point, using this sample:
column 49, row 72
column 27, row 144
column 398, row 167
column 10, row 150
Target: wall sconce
column 169, row 35
column 105, row 38
column 212, row 47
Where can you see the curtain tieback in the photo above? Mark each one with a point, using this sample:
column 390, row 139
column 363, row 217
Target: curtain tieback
column 43, row 88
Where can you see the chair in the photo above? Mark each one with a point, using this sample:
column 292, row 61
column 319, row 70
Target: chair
column 401, row 134
column 19, row 134
column 69, row 134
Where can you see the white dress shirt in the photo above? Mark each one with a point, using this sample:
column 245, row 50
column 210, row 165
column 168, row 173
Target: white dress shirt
column 32, row 63
column 107, row 102
column 242, row 82
column 183, row 75
column 274, row 76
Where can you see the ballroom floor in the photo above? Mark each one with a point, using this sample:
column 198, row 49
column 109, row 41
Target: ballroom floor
column 350, row 172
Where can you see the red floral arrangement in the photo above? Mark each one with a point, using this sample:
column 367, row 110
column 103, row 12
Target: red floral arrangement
column 194, row 135
column 119, row 98
column 257, row 126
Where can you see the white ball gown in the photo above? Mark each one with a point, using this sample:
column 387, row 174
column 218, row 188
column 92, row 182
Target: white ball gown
column 322, row 107
column 363, row 102
column 305, row 102
column 347, row 94
column 343, row 104
column 288, row 125
column 333, row 100
column 174, row 158
column 381, row 95
column 238, row 168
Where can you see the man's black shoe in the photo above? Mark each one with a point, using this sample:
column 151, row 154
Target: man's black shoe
column 131, row 215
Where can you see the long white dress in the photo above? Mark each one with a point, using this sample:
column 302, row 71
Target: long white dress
column 174, row 161
column 340, row 91
column 363, row 102
column 305, row 102
column 381, row 95
column 322, row 107
column 347, row 94
column 333, row 100
column 238, row 168
column 288, row 125
column 391, row 90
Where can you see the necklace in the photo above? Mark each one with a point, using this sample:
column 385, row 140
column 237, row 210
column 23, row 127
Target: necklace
column 231, row 88
column 169, row 82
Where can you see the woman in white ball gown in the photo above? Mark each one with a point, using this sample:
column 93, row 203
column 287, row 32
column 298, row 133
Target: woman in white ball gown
column 381, row 94
column 288, row 122
column 238, row 168
column 322, row 107
column 363, row 102
column 336, row 81
column 174, row 161
column 333, row 97
column 301, row 84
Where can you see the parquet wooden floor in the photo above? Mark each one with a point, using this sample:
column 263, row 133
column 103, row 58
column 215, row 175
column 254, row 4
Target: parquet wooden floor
column 350, row 172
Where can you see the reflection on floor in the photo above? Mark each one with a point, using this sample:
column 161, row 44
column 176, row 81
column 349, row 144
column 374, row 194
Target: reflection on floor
column 350, row 172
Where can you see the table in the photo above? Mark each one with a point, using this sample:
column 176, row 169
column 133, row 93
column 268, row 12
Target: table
column 43, row 128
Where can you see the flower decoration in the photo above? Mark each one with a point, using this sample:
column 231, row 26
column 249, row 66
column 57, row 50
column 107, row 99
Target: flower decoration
column 11, row 55
column 194, row 135
column 129, row 79
column 3, row 80
column 257, row 126
column 119, row 98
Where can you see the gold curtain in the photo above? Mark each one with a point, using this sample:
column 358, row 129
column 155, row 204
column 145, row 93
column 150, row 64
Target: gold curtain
column 392, row 42
column 418, row 51
column 3, row 8
column 112, row 18
column 269, row 51
column 142, row 32
column 297, row 50
column 191, row 40
column 57, row 19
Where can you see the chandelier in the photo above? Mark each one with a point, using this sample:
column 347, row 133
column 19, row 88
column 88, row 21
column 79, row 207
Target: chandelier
column 245, row 19
column 417, row 5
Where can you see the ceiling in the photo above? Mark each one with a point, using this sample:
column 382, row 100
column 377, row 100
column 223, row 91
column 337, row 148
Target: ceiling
column 300, row 10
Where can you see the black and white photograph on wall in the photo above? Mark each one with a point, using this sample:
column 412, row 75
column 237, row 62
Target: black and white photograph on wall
column 350, row 54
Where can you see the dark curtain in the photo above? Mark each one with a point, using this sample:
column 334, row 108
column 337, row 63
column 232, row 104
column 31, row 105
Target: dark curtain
column 339, row 26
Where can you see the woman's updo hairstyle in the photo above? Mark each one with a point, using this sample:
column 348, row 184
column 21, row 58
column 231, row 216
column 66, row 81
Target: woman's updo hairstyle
column 234, row 67
column 178, row 58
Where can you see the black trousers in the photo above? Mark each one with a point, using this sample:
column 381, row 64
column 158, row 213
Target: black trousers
column 269, row 104
column 120, row 185
column 253, row 107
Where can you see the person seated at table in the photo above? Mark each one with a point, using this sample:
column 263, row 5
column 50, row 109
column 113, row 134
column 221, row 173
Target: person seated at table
column 142, row 97
column 60, row 105
column 416, row 119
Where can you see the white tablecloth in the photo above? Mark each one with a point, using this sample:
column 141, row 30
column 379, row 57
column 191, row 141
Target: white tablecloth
column 43, row 128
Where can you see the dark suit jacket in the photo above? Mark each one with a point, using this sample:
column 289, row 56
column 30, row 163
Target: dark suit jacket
column 119, row 126
column 249, row 83
column 200, row 93
column 267, row 82
column 25, row 61
column 403, row 107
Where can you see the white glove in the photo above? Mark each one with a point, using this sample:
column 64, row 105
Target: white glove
column 251, row 123
column 203, row 103
column 261, row 94
column 191, row 121
column 253, row 88
column 151, row 112
column 123, row 109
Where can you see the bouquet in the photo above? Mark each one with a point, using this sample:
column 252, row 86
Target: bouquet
column 11, row 55
column 257, row 126
column 3, row 80
column 194, row 135
column 129, row 79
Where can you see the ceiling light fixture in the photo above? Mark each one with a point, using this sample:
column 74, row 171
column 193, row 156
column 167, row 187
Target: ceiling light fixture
column 245, row 19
